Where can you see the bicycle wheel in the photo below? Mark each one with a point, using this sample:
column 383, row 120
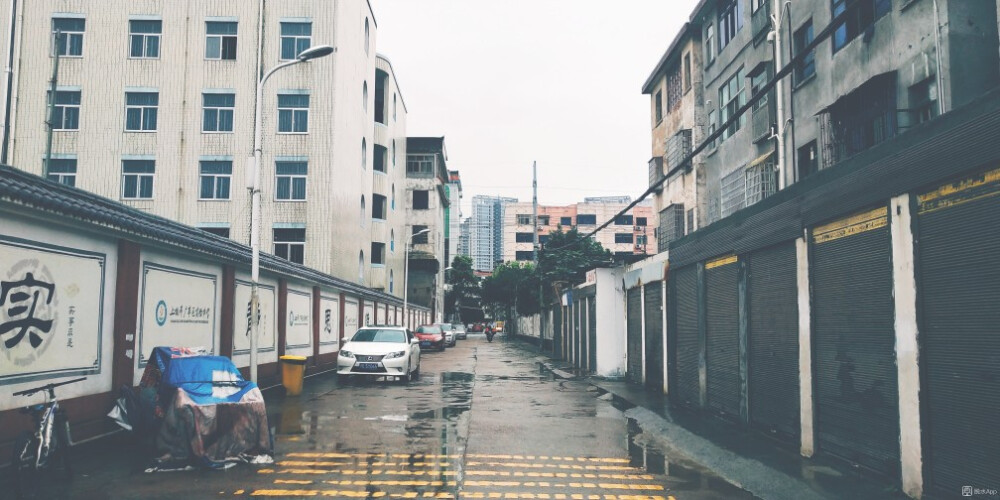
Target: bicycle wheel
column 23, row 465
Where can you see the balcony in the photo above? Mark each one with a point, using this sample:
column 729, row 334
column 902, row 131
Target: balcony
column 760, row 21
column 763, row 120
column 655, row 172
column 860, row 120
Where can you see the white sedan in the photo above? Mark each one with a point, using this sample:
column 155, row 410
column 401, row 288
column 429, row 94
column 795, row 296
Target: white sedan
column 380, row 351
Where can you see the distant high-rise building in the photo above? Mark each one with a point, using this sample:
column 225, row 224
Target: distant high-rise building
column 452, row 216
column 623, row 200
column 463, row 237
column 486, row 231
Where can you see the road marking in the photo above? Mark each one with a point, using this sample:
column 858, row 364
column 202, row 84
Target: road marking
column 373, row 464
column 391, row 483
column 292, row 481
column 529, row 465
column 575, row 475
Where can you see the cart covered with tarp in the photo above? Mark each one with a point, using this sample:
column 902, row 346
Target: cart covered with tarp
column 200, row 411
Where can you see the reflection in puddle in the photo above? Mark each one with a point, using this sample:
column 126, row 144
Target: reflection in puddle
column 681, row 475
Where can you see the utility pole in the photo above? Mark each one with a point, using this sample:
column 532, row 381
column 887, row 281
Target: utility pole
column 535, row 256
column 779, row 135
column 51, row 122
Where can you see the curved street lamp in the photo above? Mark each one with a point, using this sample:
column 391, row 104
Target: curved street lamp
column 255, row 215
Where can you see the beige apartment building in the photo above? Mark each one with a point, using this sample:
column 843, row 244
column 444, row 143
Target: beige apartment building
column 629, row 234
column 155, row 106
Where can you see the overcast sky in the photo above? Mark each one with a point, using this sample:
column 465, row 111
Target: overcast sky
column 554, row 81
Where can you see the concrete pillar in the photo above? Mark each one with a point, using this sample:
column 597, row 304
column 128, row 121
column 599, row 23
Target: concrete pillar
column 907, row 351
column 642, row 332
column 664, row 331
column 807, row 447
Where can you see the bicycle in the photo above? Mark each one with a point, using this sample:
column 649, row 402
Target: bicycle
column 47, row 445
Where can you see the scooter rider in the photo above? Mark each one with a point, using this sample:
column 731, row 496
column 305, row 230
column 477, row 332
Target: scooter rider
column 489, row 333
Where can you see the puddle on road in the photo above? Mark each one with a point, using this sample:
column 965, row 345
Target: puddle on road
column 680, row 474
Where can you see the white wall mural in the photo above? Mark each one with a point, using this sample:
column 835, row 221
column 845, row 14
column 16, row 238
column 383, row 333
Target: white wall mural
column 51, row 311
column 350, row 318
column 267, row 333
column 329, row 318
column 177, row 310
column 298, row 323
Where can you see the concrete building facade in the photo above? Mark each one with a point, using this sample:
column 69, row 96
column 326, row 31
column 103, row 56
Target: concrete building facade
column 629, row 234
column 155, row 109
column 427, row 203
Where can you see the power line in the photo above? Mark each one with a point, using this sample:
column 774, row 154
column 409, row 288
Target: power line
column 685, row 164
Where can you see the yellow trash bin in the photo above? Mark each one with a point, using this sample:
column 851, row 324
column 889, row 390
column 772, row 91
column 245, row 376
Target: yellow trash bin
column 292, row 372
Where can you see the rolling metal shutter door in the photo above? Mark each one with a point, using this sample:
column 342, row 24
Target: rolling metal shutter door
column 856, row 396
column 959, row 278
column 774, row 341
column 722, row 341
column 654, row 336
column 685, row 303
column 578, row 334
column 634, row 334
column 592, row 333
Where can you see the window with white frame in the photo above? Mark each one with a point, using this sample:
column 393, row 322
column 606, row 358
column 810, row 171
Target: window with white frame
column 732, row 97
column 144, row 38
column 62, row 170
column 220, row 40
column 141, row 111
column 290, row 180
column 218, row 111
column 216, row 177
column 67, row 110
column 709, row 43
column 293, row 113
column 70, row 42
column 137, row 179
column 379, row 207
column 290, row 244
column 295, row 38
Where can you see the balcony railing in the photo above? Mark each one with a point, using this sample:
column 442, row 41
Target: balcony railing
column 655, row 171
column 763, row 120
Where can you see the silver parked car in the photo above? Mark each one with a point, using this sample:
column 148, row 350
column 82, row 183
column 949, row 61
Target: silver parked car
column 449, row 333
column 460, row 332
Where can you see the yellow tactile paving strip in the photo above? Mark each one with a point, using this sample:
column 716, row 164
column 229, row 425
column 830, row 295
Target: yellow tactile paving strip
column 473, row 476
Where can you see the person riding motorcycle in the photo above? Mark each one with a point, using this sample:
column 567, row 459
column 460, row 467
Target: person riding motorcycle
column 489, row 333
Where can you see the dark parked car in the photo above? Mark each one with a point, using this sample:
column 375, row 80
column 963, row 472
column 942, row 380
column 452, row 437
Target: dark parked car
column 430, row 337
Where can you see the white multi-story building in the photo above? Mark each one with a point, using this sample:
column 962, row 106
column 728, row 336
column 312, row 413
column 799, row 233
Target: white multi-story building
column 486, row 231
column 154, row 108
column 453, row 216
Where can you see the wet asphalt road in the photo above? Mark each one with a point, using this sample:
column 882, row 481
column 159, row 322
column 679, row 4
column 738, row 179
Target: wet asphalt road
column 484, row 420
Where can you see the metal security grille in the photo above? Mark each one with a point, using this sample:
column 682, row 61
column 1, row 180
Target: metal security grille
column 633, row 328
column 959, row 278
column 654, row 335
column 774, row 341
column 734, row 191
column 678, row 148
column 686, row 353
column 762, row 182
column 671, row 225
column 592, row 333
column 722, row 356
column 857, row 409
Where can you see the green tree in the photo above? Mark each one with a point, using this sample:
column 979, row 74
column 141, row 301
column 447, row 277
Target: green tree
column 566, row 258
column 464, row 293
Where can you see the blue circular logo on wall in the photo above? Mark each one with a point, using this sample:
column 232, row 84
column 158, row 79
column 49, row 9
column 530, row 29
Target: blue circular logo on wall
column 161, row 313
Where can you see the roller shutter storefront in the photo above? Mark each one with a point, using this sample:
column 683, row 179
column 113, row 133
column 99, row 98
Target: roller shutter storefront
column 557, row 324
column 580, row 325
column 592, row 333
column 958, row 273
column 654, row 335
column 856, row 397
column 722, row 356
column 773, row 363
column 684, row 385
column 634, row 335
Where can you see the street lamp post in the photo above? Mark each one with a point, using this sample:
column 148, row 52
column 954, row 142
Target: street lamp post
column 255, row 215
column 406, row 272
